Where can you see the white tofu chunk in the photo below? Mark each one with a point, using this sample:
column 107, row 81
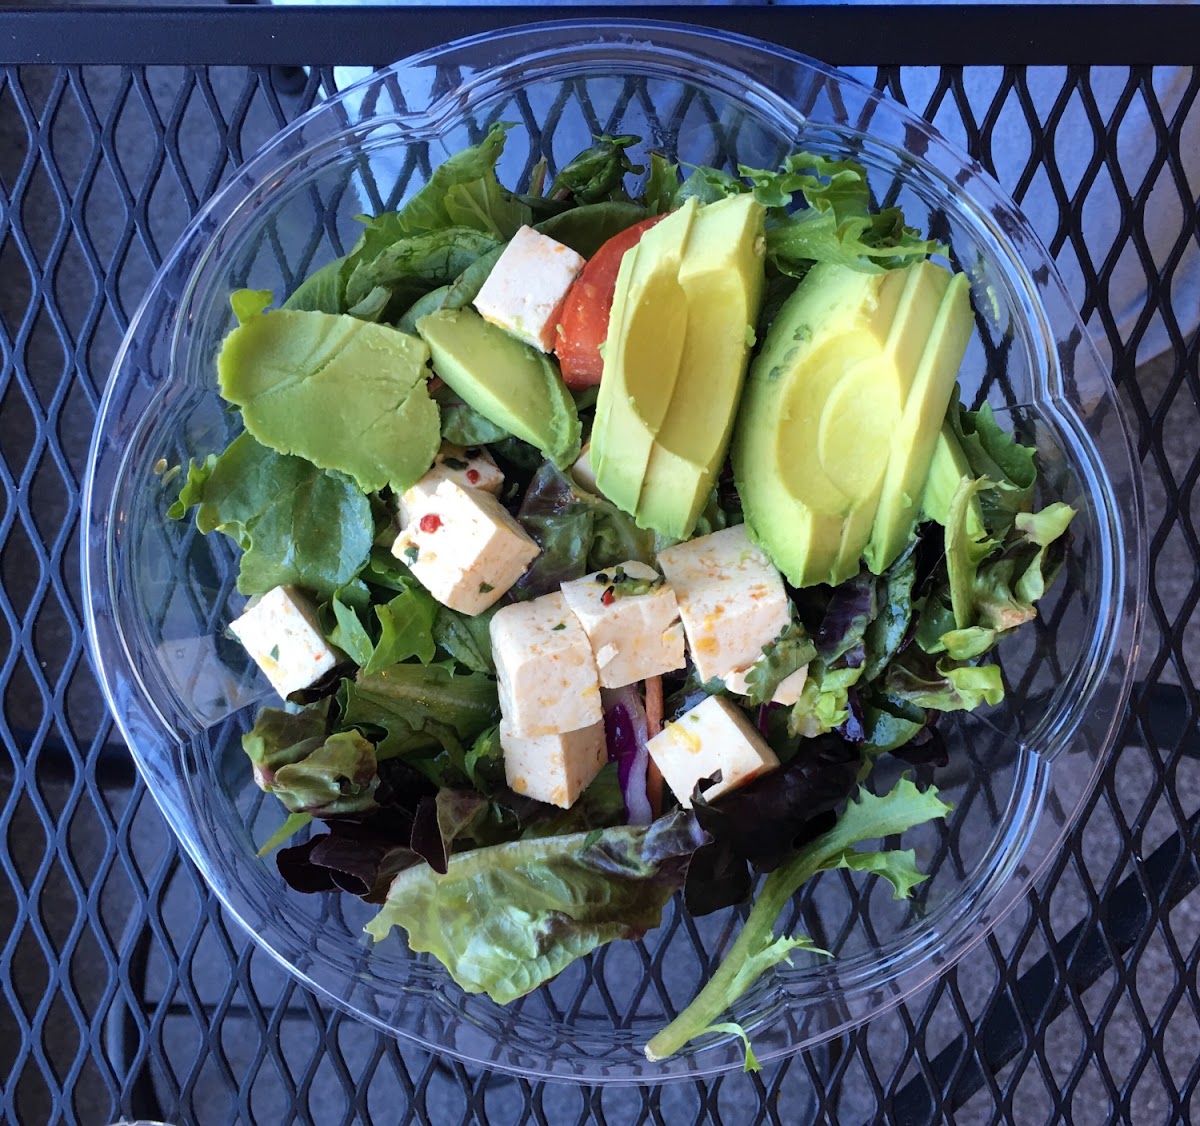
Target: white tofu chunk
column 788, row 691
column 633, row 636
column 554, row 768
column 471, row 468
column 280, row 632
column 526, row 287
column 714, row 735
column 464, row 547
column 731, row 599
column 581, row 470
column 547, row 676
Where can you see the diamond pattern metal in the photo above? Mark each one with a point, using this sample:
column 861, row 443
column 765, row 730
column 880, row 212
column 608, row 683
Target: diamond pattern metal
column 126, row 992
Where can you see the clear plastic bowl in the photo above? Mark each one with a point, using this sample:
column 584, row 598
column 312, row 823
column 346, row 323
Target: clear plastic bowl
column 159, row 595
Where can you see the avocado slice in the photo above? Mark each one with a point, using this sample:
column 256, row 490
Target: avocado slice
column 642, row 356
column 505, row 380
column 679, row 337
column 935, row 374
column 832, row 406
column 947, row 469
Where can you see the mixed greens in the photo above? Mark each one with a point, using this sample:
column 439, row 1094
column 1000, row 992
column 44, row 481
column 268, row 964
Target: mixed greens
column 395, row 756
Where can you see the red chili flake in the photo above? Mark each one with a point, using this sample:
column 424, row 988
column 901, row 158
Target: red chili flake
column 607, row 598
column 430, row 522
column 472, row 475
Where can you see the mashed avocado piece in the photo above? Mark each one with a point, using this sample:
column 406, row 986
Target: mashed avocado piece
column 343, row 393
column 680, row 332
column 842, row 407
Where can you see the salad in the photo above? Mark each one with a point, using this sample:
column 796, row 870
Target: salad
column 600, row 541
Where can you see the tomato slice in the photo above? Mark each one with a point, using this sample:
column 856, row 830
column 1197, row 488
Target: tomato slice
column 583, row 321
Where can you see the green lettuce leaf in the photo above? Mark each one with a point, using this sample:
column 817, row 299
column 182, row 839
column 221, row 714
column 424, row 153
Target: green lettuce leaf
column 485, row 206
column 335, row 779
column 707, row 185
column 415, row 264
column 823, row 703
column 946, row 686
column 757, row 948
column 405, row 629
column 588, row 227
column 1006, row 590
column 424, row 712
column 483, row 764
column 296, row 524
column 461, row 191
column 839, row 223
column 323, row 291
column 598, row 173
column 888, row 724
column 310, row 771
column 888, row 629
column 734, row 1029
column 504, row 920
column 349, row 634
column 466, row 638
column 427, row 303
column 292, row 824
column 281, row 737
column 965, row 550
column 992, row 452
column 662, row 182
column 467, row 285
column 343, row 393
column 791, row 651
column 966, row 644
column 992, row 593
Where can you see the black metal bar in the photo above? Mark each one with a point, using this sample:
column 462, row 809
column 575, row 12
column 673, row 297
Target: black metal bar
column 1160, row 883
column 876, row 34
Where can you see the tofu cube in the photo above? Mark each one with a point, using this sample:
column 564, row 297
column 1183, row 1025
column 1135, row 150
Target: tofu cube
column 788, row 691
column 554, row 768
column 526, row 287
column 633, row 636
column 547, row 676
column 731, row 599
column 472, row 468
column 280, row 632
column 464, row 547
column 714, row 735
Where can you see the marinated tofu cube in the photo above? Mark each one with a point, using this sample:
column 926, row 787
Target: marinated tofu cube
column 714, row 736
column 280, row 632
column 631, row 619
column 788, row 691
column 547, row 675
column 471, row 467
column 526, row 287
column 464, row 547
column 731, row 599
column 554, row 768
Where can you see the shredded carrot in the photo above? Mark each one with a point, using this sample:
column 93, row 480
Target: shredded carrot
column 654, row 718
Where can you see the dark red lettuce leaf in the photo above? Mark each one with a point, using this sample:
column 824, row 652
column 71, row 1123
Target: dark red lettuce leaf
column 441, row 820
column 767, row 819
column 852, row 607
column 360, row 857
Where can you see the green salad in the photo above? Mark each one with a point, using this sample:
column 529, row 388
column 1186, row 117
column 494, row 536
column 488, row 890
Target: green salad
column 600, row 540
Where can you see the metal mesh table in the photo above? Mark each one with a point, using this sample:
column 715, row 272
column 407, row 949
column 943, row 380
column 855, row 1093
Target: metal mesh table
column 126, row 991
